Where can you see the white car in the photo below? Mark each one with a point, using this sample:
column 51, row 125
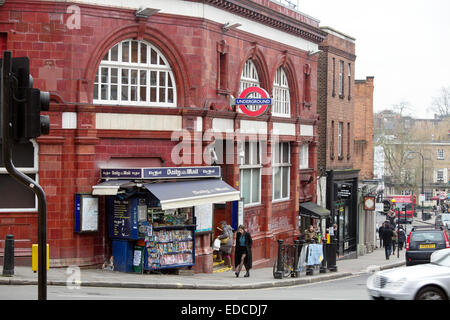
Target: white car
column 429, row 281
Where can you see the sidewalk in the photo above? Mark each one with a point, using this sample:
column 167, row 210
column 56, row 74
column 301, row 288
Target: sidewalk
column 259, row 278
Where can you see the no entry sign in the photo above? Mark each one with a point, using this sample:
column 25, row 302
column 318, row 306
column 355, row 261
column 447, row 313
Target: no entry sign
column 264, row 101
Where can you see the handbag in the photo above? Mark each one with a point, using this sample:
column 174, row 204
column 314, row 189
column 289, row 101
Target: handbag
column 224, row 240
column 216, row 244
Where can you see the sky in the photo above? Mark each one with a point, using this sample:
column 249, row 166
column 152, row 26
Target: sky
column 404, row 44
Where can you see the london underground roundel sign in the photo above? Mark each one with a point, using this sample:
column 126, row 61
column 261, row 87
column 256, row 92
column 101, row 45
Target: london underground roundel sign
column 264, row 101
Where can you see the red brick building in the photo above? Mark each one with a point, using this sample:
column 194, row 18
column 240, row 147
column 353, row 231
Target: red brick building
column 363, row 98
column 123, row 81
column 338, row 180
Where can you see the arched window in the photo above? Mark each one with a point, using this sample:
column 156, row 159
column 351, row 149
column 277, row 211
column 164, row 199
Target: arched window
column 281, row 99
column 135, row 73
column 249, row 78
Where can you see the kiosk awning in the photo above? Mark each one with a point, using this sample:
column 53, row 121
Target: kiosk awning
column 182, row 194
column 314, row 210
column 109, row 188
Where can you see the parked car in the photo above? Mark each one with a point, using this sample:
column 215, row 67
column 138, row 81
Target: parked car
column 429, row 281
column 423, row 241
column 442, row 220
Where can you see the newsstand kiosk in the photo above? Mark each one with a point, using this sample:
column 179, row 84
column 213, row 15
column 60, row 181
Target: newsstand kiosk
column 151, row 217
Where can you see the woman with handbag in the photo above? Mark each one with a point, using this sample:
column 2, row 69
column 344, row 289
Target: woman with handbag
column 243, row 253
column 226, row 242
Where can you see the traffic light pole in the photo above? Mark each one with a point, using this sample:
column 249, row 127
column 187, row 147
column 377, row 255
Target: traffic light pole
column 7, row 151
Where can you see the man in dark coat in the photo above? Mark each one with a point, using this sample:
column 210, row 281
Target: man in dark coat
column 243, row 253
column 380, row 233
column 386, row 236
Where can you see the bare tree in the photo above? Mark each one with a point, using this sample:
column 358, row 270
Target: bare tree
column 395, row 138
column 440, row 105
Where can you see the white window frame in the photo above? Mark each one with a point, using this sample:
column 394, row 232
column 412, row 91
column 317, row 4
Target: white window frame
column 304, row 156
column 251, row 167
column 341, row 78
column 440, row 175
column 249, row 78
column 281, row 99
column 161, row 67
column 26, row 170
column 280, row 165
column 440, row 154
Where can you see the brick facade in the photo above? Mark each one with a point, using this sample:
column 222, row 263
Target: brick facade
column 65, row 61
column 335, row 107
column 363, row 100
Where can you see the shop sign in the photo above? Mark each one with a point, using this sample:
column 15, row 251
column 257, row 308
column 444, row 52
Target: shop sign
column 264, row 101
column 121, row 173
column 86, row 213
column 161, row 173
column 344, row 190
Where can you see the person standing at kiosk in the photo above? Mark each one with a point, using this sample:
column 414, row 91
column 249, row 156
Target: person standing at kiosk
column 226, row 242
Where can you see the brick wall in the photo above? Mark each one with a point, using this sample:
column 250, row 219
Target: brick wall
column 64, row 61
column 363, row 119
column 333, row 107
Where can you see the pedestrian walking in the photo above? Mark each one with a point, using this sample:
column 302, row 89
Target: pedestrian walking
column 387, row 239
column 380, row 232
column 401, row 238
column 243, row 253
column 226, row 243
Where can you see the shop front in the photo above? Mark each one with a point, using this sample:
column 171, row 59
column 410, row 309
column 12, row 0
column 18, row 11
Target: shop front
column 313, row 214
column 342, row 201
column 155, row 214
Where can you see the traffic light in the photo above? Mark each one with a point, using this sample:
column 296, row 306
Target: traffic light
column 25, row 103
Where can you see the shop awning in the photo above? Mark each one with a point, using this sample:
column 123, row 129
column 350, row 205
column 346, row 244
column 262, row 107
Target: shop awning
column 110, row 187
column 314, row 210
column 182, row 194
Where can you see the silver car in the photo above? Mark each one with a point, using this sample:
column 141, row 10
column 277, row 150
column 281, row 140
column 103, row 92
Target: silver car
column 429, row 281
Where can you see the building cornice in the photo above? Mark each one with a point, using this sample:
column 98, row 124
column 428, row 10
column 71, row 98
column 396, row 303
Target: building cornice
column 338, row 52
column 264, row 15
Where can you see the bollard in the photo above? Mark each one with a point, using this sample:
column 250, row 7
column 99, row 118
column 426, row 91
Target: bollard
column 8, row 257
column 280, row 268
column 332, row 256
column 297, row 249
column 323, row 267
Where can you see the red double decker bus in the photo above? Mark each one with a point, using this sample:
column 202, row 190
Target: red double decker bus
column 406, row 205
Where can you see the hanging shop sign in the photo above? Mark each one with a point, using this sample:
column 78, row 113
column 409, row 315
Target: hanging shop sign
column 161, row 173
column 369, row 203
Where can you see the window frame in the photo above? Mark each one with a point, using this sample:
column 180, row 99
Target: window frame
column 281, row 95
column 340, row 137
column 341, row 79
column 349, row 80
column 281, row 166
column 28, row 171
column 251, row 167
column 438, row 172
column 249, row 80
column 130, row 67
column 440, row 154
column 304, row 156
